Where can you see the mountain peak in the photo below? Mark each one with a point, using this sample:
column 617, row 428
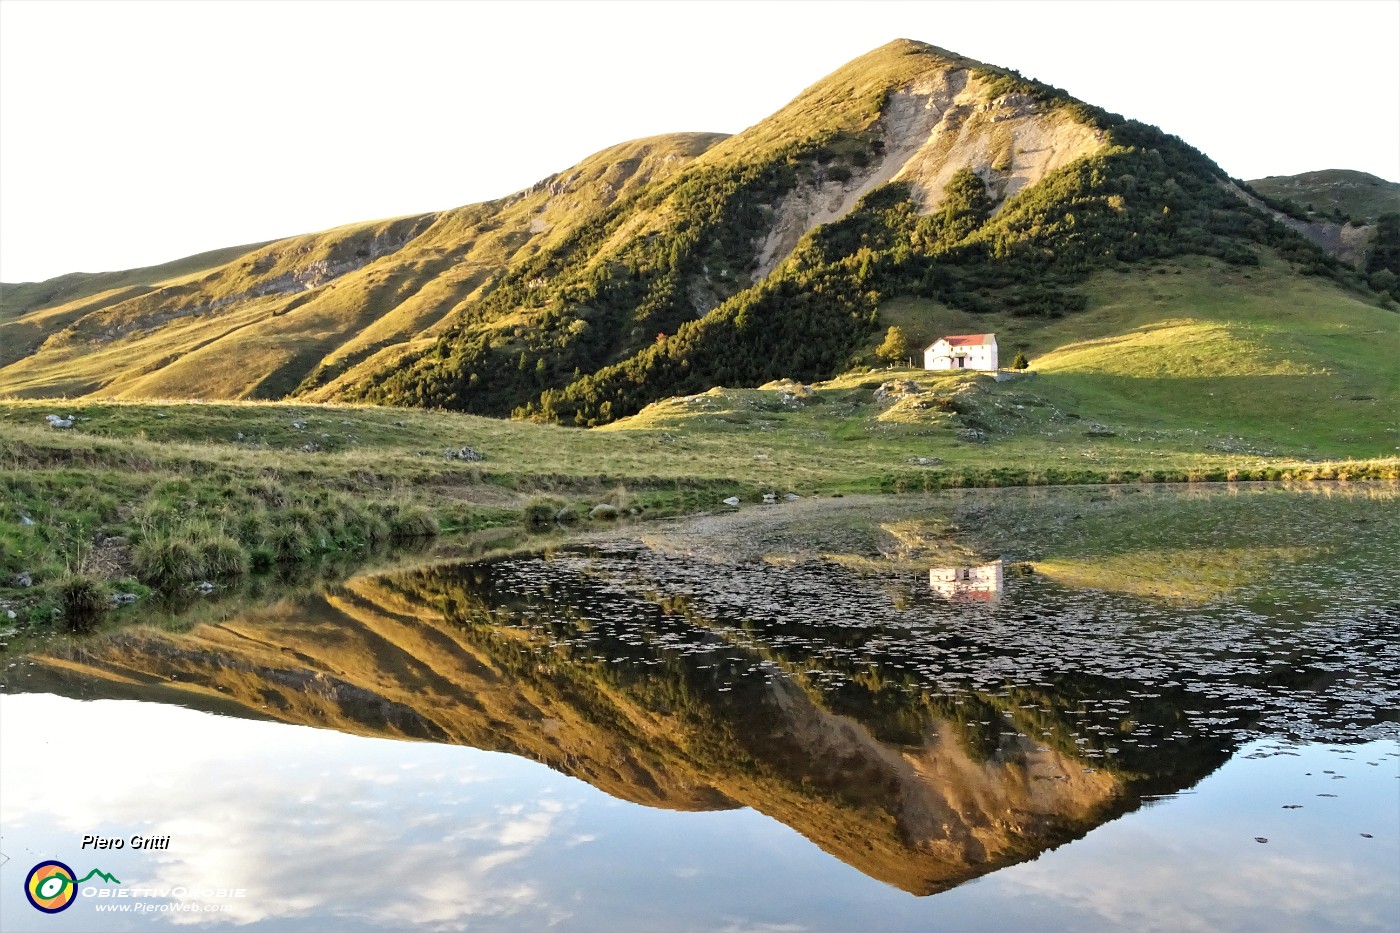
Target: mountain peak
column 671, row 264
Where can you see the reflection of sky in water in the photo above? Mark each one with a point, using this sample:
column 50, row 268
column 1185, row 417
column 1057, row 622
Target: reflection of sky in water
column 331, row 831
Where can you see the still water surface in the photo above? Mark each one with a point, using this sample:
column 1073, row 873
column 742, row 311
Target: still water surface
column 1084, row 710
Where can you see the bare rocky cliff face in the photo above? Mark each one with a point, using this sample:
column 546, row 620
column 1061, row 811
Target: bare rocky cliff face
column 932, row 127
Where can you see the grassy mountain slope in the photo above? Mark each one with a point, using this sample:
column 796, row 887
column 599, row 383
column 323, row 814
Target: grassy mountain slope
column 906, row 114
column 30, row 311
column 1338, row 193
column 916, row 177
column 18, row 299
column 298, row 312
column 1199, row 355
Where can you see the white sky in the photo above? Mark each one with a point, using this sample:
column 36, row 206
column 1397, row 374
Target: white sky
column 135, row 133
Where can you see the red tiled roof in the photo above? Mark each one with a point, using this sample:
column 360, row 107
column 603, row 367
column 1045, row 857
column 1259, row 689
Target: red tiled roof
column 968, row 340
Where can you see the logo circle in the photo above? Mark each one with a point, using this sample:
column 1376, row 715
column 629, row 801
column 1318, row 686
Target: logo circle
column 51, row 886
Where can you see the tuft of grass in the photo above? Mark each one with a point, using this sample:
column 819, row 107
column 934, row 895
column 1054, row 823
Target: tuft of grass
column 84, row 601
column 411, row 521
column 261, row 558
column 165, row 560
column 223, row 556
column 539, row 512
column 291, row 543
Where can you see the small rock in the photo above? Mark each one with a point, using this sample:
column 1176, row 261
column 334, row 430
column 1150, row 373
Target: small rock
column 792, row 497
column 204, row 588
column 896, row 389
column 603, row 511
column 24, row 579
column 565, row 516
column 732, row 500
column 161, row 414
column 239, row 436
column 770, row 497
column 298, row 424
column 114, row 541
column 123, row 599
column 26, row 520
column 10, row 614
column 56, row 422
column 466, row 454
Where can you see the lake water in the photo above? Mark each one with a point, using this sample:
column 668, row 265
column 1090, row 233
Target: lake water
column 1075, row 710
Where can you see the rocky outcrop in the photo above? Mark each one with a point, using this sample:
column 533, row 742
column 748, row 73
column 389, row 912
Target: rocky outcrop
column 930, row 128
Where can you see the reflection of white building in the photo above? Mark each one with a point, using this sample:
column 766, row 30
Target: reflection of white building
column 967, row 583
column 962, row 351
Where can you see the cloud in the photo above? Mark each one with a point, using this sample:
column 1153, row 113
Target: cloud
column 353, row 839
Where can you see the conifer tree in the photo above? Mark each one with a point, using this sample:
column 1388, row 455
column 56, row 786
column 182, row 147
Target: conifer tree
column 895, row 349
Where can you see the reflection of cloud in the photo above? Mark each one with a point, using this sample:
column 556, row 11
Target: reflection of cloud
column 353, row 839
column 528, row 831
column 1144, row 891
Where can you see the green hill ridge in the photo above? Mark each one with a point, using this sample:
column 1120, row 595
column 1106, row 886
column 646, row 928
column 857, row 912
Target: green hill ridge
column 1339, row 193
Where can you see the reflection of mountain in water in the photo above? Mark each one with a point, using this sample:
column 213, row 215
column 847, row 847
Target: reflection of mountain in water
column 967, row 584
column 641, row 697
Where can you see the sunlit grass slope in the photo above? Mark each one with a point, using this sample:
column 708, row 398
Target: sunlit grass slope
column 263, row 322
column 31, row 311
column 1259, row 360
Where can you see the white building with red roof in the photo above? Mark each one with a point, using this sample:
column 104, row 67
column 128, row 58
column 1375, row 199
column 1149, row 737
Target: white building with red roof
column 962, row 351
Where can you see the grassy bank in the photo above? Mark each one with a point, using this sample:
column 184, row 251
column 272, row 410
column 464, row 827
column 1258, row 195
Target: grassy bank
column 140, row 497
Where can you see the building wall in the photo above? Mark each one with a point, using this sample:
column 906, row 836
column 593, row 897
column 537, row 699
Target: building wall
column 978, row 357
